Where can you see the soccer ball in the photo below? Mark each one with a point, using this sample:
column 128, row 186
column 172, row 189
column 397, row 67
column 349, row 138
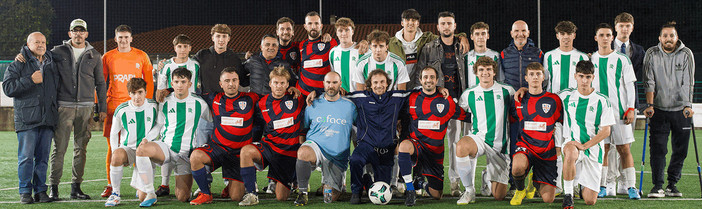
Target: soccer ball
column 380, row 193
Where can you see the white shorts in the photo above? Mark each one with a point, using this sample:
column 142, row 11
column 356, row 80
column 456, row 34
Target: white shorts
column 498, row 163
column 621, row 134
column 331, row 173
column 588, row 172
column 131, row 154
column 180, row 163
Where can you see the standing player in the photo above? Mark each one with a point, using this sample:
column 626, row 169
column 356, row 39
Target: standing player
column 134, row 122
column 343, row 58
column 181, row 113
column 540, row 114
column 282, row 114
column 314, row 56
column 381, row 58
column 479, row 33
column 427, row 115
column 232, row 115
column 615, row 79
column 560, row 65
column 587, row 121
column 329, row 121
column 119, row 65
column 285, row 30
column 488, row 103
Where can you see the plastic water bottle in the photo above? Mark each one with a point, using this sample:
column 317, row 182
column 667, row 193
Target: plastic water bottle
column 327, row 193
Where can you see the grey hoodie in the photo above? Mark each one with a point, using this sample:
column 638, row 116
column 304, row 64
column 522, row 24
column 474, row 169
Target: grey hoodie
column 671, row 76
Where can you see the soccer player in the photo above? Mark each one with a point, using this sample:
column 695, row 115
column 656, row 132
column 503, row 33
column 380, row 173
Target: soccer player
column 134, row 122
column 615, row 79
column 587, row 121
column 285, row 31
column 540, row 114
column 329, row 121
column 381, row 58
column 282, row 114
column 343, row 58
column 426, row 114
column 479, row 33
column 314, row 56
column 119, row 65
column 488, row 102
column 232, row 115
column 560, row 65
column 181, row 113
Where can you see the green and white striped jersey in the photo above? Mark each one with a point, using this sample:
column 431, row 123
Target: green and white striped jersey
column 613, row 75
column 132, row 124
column 164, row 77
column 393, row 65
column 584, row 117
column 180, row 119
column 343, row 61
column 560, row 67
column 490, row 111
column 470, row 59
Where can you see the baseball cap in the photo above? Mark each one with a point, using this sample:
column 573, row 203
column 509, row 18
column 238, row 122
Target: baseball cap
column 78, row 23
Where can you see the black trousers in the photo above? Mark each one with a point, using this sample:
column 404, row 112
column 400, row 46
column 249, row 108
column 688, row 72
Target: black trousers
column 662, row 124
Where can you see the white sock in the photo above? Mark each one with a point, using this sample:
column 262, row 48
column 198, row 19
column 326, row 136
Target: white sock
column 116, row 178
column 474, row 165
column 395, row 172
column 559, row 165
column 166, row 169
column 568, row 187
column 465, row 171
column 629, row 177
column 146, row 172
column 603, row 179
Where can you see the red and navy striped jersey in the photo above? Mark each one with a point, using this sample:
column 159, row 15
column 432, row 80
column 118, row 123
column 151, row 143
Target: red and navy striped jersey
column 314, row 56
column 537, row 116
column 233, row 119
column 429, row 116
column 283, row 122
column 291, row 54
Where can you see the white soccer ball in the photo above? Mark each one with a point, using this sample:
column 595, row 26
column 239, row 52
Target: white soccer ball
column 380, row 193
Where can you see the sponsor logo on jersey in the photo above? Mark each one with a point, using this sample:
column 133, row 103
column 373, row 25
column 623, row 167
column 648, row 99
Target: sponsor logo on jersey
column 190, row 110
column 131, row 121
column 123, row 77
column 557, row 62
column 138, row 66
column 321, row 46
column 546, row 107
column 440, row 107
column 332, row 120
column 480, row 98
column 242, row 105
column 171, row 111
column 289, row 104
column 571, row 104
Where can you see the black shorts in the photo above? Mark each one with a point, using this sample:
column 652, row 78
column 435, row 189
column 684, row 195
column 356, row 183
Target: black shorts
column 432, row 164
column 545, row 171
column 225, row 157
column 281, row 168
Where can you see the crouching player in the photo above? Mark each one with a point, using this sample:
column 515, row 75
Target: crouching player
column 587, row 121
column 282, row 115
column 133, row 122
column 489, row 103
column 426, row 117
column 180, row 113
column 540, row 114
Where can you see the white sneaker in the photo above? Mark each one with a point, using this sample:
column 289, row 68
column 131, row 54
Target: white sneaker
column 611, row 189
column 249, row 199
column 271, row 187
column 621, row 189
column 467, row 197
column 485, row 189
column 113, row 200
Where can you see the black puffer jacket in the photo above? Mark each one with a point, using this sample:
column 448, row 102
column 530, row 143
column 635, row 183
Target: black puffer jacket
column 258, row 70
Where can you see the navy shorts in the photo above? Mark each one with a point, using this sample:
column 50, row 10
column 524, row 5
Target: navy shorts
column 545, row 171
column 281, row 168
column 225, row 157
column 432, row 164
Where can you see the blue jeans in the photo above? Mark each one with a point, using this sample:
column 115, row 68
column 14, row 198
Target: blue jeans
column 32, row 158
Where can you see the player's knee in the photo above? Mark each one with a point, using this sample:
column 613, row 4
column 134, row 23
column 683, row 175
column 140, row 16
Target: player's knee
column 548, row 199
column 406, row 146
column 305, row 153
column 623, row 149
column 590, row 201
column 281, row 198
column 118, row 157
column 463, row 147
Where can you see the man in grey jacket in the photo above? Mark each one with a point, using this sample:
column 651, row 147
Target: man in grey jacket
column 669, row 73
column 79, row 68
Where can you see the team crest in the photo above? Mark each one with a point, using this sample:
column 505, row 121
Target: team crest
column 242, row 105
column 546, row 107
column 321, row 46
column 289, row 104
column 293, row 55
column 440, row 107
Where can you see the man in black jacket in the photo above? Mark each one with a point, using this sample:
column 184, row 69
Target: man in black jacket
column 259, row 66
column 33, row 86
